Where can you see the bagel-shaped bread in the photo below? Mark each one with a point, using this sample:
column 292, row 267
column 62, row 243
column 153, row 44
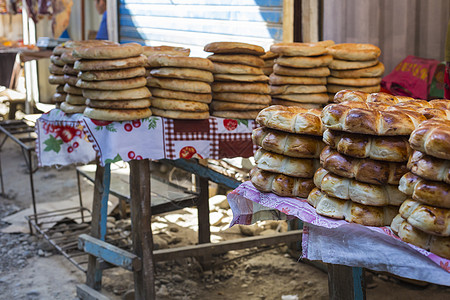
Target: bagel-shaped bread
column 436, row 244
column 109, row 64
column 162, row 93
column 113, row 85
column 166, row 50
column 277, row 163
column 191, row 86
column 128, row 94
column 433, row 138
column 183, row 73
column 339, row 64
column 320, row 98
column 293, row 145
column 106, row 114
column 334, row 88
column 374, row 71
column 366, row 118
column 429, row 192
column 181, row 105
column 304, row 61
column 392, row 149
column 119, row 104
column 240, row 87
column 354, row 81
column 362, row 169
column 291, row 119
column 244, row 59
column 178, row 114
column 112, row 74
column 304, row 72
column 108, row 51
column 276, row 101
column 429, row 167
column 234, row 48
column 243, row 98
column 360, row 192
column 352, row 51
column 241, row 77
column 225, row 105
column 160, row 60
column 432, row 220
column 281, row 80
column 297, row 89
column 281, row 185
column 225, row 68
column 227, row 114
column 72, row 109
column 298, row 49
column 350, row 211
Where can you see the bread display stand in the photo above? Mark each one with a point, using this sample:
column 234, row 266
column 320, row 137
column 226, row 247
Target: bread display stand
column 338, row 242
column 138, row 142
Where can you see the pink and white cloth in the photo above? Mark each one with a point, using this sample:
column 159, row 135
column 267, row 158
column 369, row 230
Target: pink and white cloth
column 339, row 242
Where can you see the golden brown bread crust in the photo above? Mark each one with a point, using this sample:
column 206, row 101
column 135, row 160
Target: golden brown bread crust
column 386, row 148
column 319, row 98
column 161, row 60
column 304, row 72
column 234, row 47
column 298, row 49
column 280, row 184
column 366, row 118
column 225, row 105
column 245, row 59
column 354, row 81
column 117, row 114
column 334, row 88
column 119, row 104
column 429, row 167
column 181, row 105
column 109, row 64
column 166, row 50
column 70, row 89
column 339, row 64
column 362, row 169
column 113, row 51
column 71, row 80
column 162, row 93
column 129, row 94
column 282, row 80
column 243, row 98
column 178, row 114
column 59, row 97
column 276, row 101
column 69, row 70
column 56, row 60
column 240, row 87
column 269, row 55
column 436, row 244
column 191, row 86
column 374, row 71
column 353, row 51
column 183, row 73
column 433, row 138
column 350, row 211
column 235, row 68
column 304, row 61
column 112, row 74
column 429, row 192
column 56, row 70
column 277, row 163
column 432, row 220
column 350, row 95
column 297, row 89
column 72, row 109
column 68, row 58
column 291, row 119
column 56, row 79
column 75, row 99
column 293, row 145
column 241, row 77
column 112, row 85
column 360, row 192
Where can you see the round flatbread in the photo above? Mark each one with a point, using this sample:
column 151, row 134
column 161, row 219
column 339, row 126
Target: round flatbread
column 298, row 49
column 59, row 97
column 227, row 68
column 183, row 73
column 241, row 78
column 243, row 59
column 243, row 98
column 70, row 89
column 320, row 98
column 304, row 61
column 109, row 64
column 302, row 72
column 56, row 70
column 334, row 88
column 299, row 104
column 181, row 105
column 72, row 109
column 176, row 114
column 119, row 104
column 60, row 88
column 338, row 64
column 69, row 70
column 129, row 94
column 104, row 114
column 269, row 63
column 86, row 43
column 112, row 74
column 234, row 47
column 68, row 58
column 75, row 99
column 56, row 79
column 354, row 81
column 157, row 61
column 191, row 86
column 112, row 51
column 223, row 105
column 60, row 49
column 57, row 60
column 166, row 50
column 375, row 71
column 297, row 89
column 267, row 71
column 283, row 80
column 250, row 114
column 240, row 87
column 113, row 85
column 352, row 51
column 168, row 94
column 269, row 55
column 71, row 80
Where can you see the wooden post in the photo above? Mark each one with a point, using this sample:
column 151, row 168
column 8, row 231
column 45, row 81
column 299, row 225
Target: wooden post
column 310, row 20
column 112, row 14
column 204, row 231
column 140, row 191
column 346, row 283
column 288, row 21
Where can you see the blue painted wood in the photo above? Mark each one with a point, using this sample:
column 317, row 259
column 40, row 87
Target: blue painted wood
column 358, row 281
column 105, row 197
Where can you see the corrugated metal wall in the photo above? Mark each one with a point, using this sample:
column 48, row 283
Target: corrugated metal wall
column 400, row 28
column 195, row 23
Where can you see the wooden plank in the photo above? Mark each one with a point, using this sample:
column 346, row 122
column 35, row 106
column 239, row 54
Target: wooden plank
column 288, row 21
column 310, row 20
column 204, row 231
column 109, row 253
column 112, row 14
column 84, row 292
column 346, row 283
column 222, row 247
column 140, row 187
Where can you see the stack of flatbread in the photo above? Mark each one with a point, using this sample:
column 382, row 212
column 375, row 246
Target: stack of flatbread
column 164, row 50
column 300, row 74
column 240, row 88
column 354, row 67
column 291, row 142
column 56, row 69
column 180, row 86
column 269, row 62
column 112, row 79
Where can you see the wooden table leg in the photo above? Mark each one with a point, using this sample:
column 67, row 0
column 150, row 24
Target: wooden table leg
column 204, row 230
column 346, row 283
column 140, row 191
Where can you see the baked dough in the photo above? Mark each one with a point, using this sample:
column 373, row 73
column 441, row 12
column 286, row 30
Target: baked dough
column 298, row 49
column 75, row 99
column 161, row 60
column 56, row 60
column 162, row 93
column 243, row 98
column 362, row 169
column 112, row 74
column 71, row 80
column 113, row 51
column 428, row 192
column 291, row 119
column 183, row 73
column 269, row 55
column 105, row 114
column 293, row 145
column 191, row 86
column 321, row 98
column 298, row 104
column 226, row 68
column 244, row 59
column 225, row 105
column 354, row 81
column 433, row 220
column 433, row 138
column 366, row 118
column 113, row 85
column 59, row 97
column 352, row 51
column 119, row 104
column 360, row 192
column 166, row 50
column 181, row 105
column 68, row 58
column 234, row 47
column 250, row 114
column 304, row 61
column 393, row 149
column 128, row 94
column 280, row 184
column 429, row 167
column 70, row 89
column 241, row 77
column 297, row 89
column 281, row 80
column 350, row 211
column 338, row 64
column 109, row 64
column 240, row 87
column 56, row 79
column 69, row 70
column 374, row 71
column 72, row 109
column 334, row 88
column 56, row 70
column 304, row 72
column 177, row 114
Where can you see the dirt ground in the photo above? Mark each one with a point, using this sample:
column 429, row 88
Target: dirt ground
column 30, row 269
